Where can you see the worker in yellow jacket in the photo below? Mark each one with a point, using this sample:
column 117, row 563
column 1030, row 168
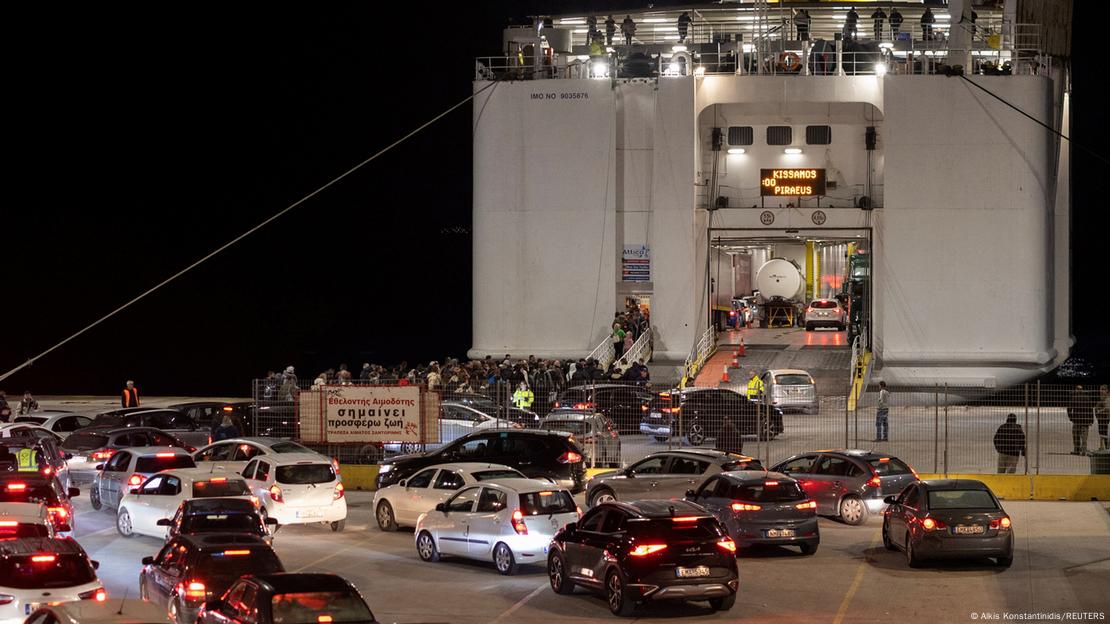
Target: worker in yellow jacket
column 523, row 398
column 755, row 387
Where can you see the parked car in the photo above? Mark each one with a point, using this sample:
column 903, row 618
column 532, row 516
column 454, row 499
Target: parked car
column 402, row 503
column 193, row 569
column 550, row 455
column 39, row 570
column 129, row 468
column 286, row 599
column 51, row 459
column 760, row 508
column 126, row 611
column 646, row 551
column 221, row 514
column 486, row 405
column 825, row 313
column 791, row 389
column 948, row 519
column 208, row 414
column 143, row 507
column 595, row 434
column 510, row 521
column 233, row 454
column 667, row 474
column 90, row 447
column 848, row 484
column 19, row 520
column 30, row 487
column 298, row 488
column 621, row 404
column 61, row 423
column 170, row 421
column 700, row 412
column 455, row 421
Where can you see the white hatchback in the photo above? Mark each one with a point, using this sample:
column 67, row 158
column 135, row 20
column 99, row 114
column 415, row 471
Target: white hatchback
column 402, row 503
column 510, row 521
column 298, row 488
column 25, row 520
column 38, row 571
column 159, row 496
column 233, row 454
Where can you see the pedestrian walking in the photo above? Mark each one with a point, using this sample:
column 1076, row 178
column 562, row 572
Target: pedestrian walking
column 801, row 22
column 1009, row 441
column 618, row 340
column 683, row 26
column 591, row 29
column 896, row 20
column 628, row 29
column 878, row 16
column 5, row 409
column 882, row 415
column 28, row 404
column 130, row 395
column 1080, row 413
column 850, row 25
column 1102, row 413
column 610, row 30
column 927, row 20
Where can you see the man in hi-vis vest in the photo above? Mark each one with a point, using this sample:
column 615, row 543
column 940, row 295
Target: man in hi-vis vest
column 130, row 397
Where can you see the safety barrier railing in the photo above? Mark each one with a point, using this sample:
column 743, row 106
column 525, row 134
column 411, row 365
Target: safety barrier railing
column 699, row 354
column 641, row 349
column 604, row 352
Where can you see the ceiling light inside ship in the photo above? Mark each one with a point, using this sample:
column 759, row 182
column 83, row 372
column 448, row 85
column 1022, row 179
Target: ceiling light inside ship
column 792, row 151
column 736, row 150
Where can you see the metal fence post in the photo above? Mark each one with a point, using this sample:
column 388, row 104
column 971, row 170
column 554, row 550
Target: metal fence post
column 945, row 430
column 1038, row 468
column 936, row 427
column 1025, row 451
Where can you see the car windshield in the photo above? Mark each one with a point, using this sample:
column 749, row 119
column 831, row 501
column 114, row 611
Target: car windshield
column 793, row 379
column 153, row 463
column 547, row 502
column 577, row 427
column 667, row 530
column 10, row 492
column 85, row 442
column 312, row 607
column 761, row 492
column 486, row 475
column 289, row 447
column 961, row 499
column 11, row 529
column 51, row 570
column 213, row 489
column 889, row 466
column 107, row 420
column 38, row 420
column 237, row 561
column 742, row 464
column 303, row 474
column 823, row 304
column 221, row 523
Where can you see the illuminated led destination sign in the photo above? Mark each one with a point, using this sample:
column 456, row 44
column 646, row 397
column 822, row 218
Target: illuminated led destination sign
column 791, row 182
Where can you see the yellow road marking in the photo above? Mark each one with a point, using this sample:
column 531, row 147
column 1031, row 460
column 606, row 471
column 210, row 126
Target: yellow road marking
column 854, row 587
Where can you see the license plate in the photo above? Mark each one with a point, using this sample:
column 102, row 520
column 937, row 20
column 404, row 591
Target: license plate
column 656, row 415
column 691, row 572
column 973, row 529
column 780, row 532
column 309, row 514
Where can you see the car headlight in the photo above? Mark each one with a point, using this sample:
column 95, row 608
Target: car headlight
column 384, row 468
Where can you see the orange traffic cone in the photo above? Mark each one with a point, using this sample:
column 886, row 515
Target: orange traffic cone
column 740, row 348
column 724, row 375
column 735, row 360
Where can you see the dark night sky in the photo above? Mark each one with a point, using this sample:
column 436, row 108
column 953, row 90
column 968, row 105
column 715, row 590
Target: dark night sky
column 141, row 138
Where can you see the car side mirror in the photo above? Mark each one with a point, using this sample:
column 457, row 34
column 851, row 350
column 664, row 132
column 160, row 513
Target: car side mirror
column 690, row 494
column 67, row 456
column 99, row 467
column 270, row 521
column 74, row 492
column 402, row 483
column 890, row 500
column 95, row 564
column 148, row 560
column 442, row 507
column 134, row 491
column 629, row 473
column 164, row 522
column 571, row 527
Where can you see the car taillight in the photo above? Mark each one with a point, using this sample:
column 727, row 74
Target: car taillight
column 59, row 513
column 745, row 507
column 7, row 524
column 194, row 590
column 685, row 519
column 583, row 406
column 164, row 455
column 323, row 619
column 726, row 543
column 556, row 404
column 335, row 464
column 1002, row 523
column 189, row 449
column 671, row 410
column 646, row 549
column 105, row 454
column 135, row 479
column 643, row 408
column 43, row 558
column 874, row 481
column 257, row 503
column 275, row 494
column 46, row 472
column 6, row 599
column 338, row 494
column 98, row 595
column 518, row 523
column 16, row 487
column 570, row 457
column 806, row 505
column 236, row 553
column 930, row 524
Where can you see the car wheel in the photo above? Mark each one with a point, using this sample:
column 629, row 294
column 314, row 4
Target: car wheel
column 911, row 556
column 426, row 547
column 1004, row 562
column 808, row 549
column 852, row 510
column 723, row 604
column 620, row 603
column 602, row 495
column 386, row 520
column 504, row 560
column 557, row 574
column 123, row 523
column 809, row 326
column 338, row 525
column 696, row 435
column 887, row 543
column 94, row 498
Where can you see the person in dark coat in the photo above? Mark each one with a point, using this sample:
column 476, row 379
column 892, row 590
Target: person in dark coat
column 1009, row 441
column 628, row 29
column 729, row 438
column 610, row 30
column 895, row 22
column 927, row 21
column 1081, row 415
column 226, row 431
column 683, row 26
column 5, row 409
column 1102, row 413
column 879, row 15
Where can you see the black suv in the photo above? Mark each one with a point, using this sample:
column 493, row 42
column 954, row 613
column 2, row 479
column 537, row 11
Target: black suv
column 551, row 455
column 621, row 404
column 193, row 569
column 218, row 515
column 646, row 551
column 174, row 422
column 272, row 598
column 701, row 412
column 33, row 487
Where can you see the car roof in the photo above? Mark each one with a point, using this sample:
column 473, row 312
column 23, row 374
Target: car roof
column 523, row 485
column 954, row 484
column 201, row 474
column 661, row 508
column 217, row 541
column 706, row 454
column 787, row 371
column 289, row 459
column 745, row 476
column 127, row 611
column 29, row 545
column 263, row 440
column 209, row 505
column 301, row 582
column 562, row 434
column 152, row 450
column 471, row 466
column 863, row 454
column 568, row 414
column 208, row 404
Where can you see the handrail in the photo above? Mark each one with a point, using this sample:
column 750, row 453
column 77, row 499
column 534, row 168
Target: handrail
column 699, row 354
column 603, row 352
column 641, row 349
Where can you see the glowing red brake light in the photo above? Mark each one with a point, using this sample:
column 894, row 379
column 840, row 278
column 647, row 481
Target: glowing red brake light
column 135, row 479
column 806, row 505
column 43, row 558
column 46, row 472
column 930, row 524
column 228, row 408
column 745, row 507
column 218, row 480
column 646, row 549
column 583, row 406
column 59, row 512
column 518, row 523
column 726, row 543
column 8, row 523
column 232, row 553
column 874, row 481
column 323, row 619
column 770, row 483
column 685, row 519
column 105, row 454
column 195, row 590
column 97, row 594
column 338, row 494
column 17, row 487
column 1002, row 523
column 164, row 454
column 275, row 494
column 570, row 457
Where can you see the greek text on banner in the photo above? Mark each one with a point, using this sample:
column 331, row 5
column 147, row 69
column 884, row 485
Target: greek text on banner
column 372, row 413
